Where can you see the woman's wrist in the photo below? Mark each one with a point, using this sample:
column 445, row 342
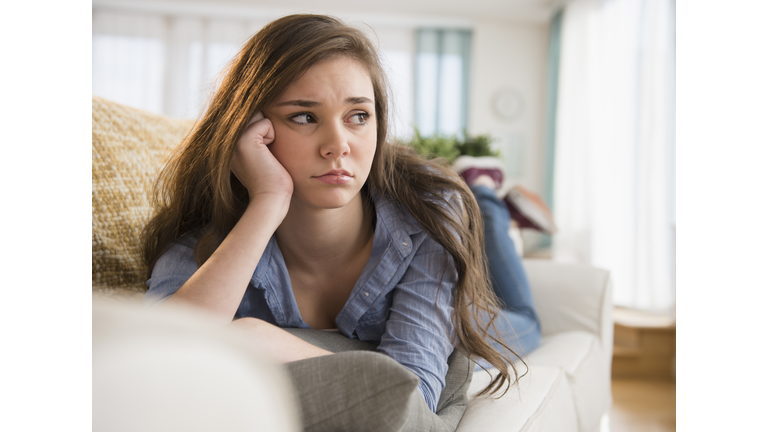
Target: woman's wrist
column 270, row 207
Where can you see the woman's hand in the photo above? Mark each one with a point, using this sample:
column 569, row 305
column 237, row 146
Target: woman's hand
column 255, row 166
column 219, row 284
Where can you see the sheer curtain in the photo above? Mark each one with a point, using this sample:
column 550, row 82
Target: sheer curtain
column 442, row 80
column 168, row 61
column 614, row 185
column 163, row 63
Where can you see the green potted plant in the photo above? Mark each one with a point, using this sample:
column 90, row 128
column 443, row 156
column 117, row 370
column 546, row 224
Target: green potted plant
column 451, row 147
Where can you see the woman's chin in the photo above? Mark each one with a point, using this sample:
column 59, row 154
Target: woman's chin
column 333, row 199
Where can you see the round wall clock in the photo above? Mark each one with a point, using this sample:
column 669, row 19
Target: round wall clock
column 508, row 104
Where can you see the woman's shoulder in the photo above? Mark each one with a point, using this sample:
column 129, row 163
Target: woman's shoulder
column 393, row 214
column 186, row 241
column 398, row 216
column 182, row 250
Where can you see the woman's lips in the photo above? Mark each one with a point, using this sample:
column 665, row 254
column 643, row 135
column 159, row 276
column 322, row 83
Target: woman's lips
column 335, row 177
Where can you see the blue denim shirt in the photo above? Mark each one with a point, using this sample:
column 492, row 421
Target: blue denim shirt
column 402, row 300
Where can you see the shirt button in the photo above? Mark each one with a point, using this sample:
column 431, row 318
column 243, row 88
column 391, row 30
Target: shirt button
column 366, row 294
column 405, row 243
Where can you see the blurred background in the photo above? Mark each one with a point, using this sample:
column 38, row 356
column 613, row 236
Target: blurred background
column 578, row 97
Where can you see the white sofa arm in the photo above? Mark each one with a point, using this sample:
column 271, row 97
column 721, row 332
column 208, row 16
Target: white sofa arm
column 572, row 297
column 575, row 306
column 174, row 372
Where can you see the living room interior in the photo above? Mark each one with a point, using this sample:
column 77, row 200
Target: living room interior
column 576, row 116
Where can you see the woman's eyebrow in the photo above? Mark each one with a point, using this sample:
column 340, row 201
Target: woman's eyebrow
column 312, row 104
column 301, row 103
column 359, row 100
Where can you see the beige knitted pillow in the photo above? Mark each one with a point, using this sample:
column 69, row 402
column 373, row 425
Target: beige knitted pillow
column 129, row 147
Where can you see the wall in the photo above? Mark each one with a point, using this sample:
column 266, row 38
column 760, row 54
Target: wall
column 512, row 56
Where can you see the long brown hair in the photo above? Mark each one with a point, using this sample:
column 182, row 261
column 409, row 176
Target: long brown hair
column 197, row 194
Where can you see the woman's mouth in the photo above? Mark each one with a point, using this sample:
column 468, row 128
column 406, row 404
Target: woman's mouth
column 335, row 177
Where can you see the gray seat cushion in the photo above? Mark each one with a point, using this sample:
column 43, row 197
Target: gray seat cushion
column 361, row 390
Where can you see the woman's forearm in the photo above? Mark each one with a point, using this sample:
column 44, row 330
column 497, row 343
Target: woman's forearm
column 219, row 284
column 281, row 345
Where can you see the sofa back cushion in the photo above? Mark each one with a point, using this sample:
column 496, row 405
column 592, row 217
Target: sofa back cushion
column 129, row 147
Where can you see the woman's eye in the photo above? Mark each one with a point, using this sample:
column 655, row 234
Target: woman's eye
column 302, row 118
column 359, row 118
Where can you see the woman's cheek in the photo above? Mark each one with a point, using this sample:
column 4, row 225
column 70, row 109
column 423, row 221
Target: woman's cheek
column 280, row 152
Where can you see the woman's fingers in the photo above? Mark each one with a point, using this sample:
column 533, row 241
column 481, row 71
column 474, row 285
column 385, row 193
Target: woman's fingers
column 254, row 165
column 259, row 129
column 256, row 117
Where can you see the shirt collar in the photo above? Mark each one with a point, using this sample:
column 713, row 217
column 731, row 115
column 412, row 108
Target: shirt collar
column 397, row 221
column 398, row 224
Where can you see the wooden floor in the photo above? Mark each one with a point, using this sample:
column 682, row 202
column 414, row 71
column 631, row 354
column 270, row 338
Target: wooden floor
column 643, row 373
column 641, row 405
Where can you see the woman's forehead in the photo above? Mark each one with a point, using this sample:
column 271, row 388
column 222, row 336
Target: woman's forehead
column 335, row 78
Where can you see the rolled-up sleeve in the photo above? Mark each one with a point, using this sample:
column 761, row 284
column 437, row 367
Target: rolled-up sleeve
column 171, row 271
column 419, row 330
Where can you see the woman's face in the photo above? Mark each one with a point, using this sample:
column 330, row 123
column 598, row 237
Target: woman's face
column 325, row 133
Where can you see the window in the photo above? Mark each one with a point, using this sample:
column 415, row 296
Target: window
column 442, row 81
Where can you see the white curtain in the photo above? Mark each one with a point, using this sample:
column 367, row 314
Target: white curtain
column 614, row 198
column 442, row 80
column 168, row 61
column 163, row 63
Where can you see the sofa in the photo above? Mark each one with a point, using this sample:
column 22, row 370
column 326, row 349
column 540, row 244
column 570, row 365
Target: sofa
column 171, row 371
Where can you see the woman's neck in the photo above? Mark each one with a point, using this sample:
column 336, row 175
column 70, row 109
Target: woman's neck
column 316, row 240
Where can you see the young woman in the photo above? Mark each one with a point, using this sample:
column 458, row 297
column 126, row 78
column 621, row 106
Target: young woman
column 286, row 207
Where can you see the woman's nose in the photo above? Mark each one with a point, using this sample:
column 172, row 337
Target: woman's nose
column 334, row 143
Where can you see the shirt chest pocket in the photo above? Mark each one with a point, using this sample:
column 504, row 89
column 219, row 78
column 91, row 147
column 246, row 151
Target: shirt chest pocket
column 370, row 327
